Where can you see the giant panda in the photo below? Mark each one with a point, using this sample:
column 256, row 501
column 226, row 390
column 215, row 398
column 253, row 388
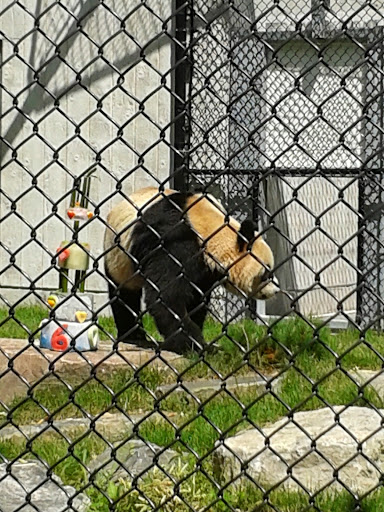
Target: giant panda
column 178, row 247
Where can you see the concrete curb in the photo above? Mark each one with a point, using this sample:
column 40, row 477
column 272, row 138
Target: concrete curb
column 110, row 426
column 231, row 383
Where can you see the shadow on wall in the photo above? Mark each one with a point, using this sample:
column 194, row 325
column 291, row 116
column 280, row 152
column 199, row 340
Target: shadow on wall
column 84, row 43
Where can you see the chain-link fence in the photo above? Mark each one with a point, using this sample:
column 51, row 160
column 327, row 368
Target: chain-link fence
column 191, row 255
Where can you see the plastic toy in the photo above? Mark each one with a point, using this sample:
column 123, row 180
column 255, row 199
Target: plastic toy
column 71, row 326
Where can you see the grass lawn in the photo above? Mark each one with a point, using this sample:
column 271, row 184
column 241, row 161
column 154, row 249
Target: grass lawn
column 313, row 360
column 157, row 491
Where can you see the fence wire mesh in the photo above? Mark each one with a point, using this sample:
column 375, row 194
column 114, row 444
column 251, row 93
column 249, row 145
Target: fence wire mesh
column 141, row 367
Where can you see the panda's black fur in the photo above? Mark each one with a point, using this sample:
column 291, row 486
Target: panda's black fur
column 177, row 281
column 168, row 255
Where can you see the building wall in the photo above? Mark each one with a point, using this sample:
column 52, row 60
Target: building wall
column 321, row 212
column 119, row 101
column 305, row 117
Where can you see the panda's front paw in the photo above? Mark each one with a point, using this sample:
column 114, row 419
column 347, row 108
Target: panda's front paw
column 188, row 348
column 139, row 344
column 146, row 344
column 140, row 341
column 171, row 346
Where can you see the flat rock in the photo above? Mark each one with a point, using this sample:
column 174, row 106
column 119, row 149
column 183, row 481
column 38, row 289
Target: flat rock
column 45, row 493
column 311, row 449
column 131, row 459
column 374, row 378
column 110, row 426
column 204, row 385
column 23, row 363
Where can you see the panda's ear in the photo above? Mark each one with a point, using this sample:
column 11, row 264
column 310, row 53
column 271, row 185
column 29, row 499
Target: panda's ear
column 246, row 233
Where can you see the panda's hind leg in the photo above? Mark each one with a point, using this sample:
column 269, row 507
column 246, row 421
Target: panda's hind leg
column 125, row 306
column 199, row 309
column 180, row 336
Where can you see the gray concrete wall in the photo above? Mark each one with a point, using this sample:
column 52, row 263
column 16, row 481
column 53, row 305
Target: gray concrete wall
column 132, row 100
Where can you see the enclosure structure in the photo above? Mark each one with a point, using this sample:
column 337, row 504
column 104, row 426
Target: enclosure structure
column 296, row 129
column 273, row 107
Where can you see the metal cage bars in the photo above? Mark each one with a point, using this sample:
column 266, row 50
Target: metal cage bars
column 220, row 114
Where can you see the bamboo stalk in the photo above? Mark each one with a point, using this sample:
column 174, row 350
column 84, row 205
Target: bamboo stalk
column 82, row 282
column 80, row 195
column 83, row 192
column 77, row 279
column 73, row 198
column 87, row 182
column 88, row 190
column 63, row 282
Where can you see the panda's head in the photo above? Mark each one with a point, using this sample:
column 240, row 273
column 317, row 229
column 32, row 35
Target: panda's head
column 234, row 250
column 254, row 268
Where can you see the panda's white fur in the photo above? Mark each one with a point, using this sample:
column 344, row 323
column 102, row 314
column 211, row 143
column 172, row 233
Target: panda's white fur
column 219, row 237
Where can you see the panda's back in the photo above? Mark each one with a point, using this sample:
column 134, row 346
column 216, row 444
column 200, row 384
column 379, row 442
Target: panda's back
column 154, row 227
column 163, row 224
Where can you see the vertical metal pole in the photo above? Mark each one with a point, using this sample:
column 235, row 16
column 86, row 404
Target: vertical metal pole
column 182, row 75
column 2, row 152
column 370, row 247
column 380, row 234
column 360, row 251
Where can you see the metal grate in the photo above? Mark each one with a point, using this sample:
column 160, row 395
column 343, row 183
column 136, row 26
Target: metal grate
column 275, row 109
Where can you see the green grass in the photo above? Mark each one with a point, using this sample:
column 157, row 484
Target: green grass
column 21, row 322
column 314, row 363
column 270, row 348
column 313, row 360
column 24, row 321
column 70, row 459
column 122, row 389
column 67, row 459
column 199, row 493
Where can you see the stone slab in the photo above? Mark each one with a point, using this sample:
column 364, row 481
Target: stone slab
column 131, row 459
column 22, row 363
column 231, row 383
column 47, row 493
column 111, row 427
column 374, row 378
column 311, row 449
